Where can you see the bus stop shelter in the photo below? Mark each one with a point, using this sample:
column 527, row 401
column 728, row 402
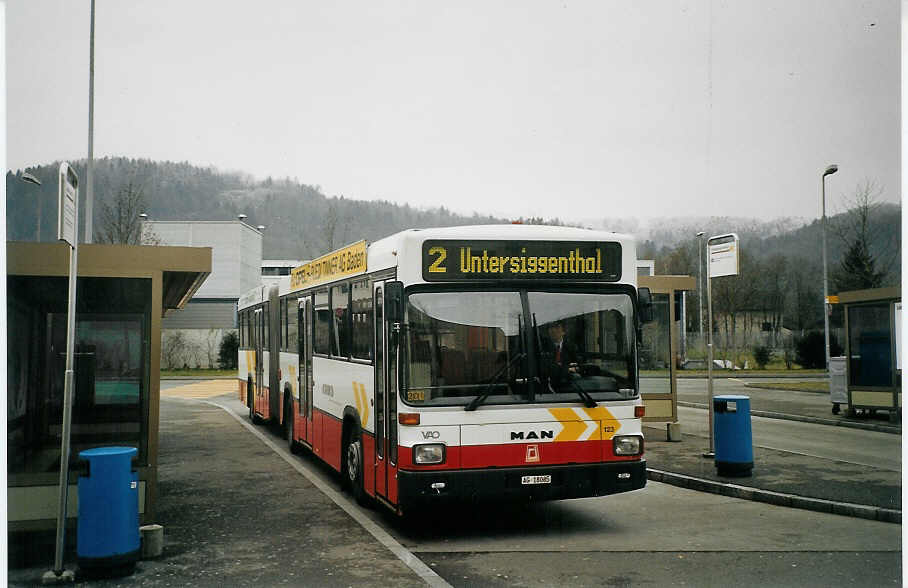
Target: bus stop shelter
column 873, row 367
column 661, row 348
column 123, row 292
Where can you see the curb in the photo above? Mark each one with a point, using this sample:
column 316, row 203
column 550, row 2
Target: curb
column 197, row 378
column 752, row 376
column 847, row 509
column 809, row 419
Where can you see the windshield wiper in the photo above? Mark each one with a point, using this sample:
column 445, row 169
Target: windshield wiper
column 491, row 386
column 587, row 399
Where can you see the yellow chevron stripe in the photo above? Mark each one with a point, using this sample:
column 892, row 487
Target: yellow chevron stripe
column 362, row 402
column 573, row 425
column 608, row 424
column 365, row 412
column 250, row 364
column 359, row 406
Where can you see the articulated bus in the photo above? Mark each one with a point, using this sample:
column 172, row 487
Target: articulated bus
column 457, row 364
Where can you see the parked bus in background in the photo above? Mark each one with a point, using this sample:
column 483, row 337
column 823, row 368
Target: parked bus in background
column 462, row 363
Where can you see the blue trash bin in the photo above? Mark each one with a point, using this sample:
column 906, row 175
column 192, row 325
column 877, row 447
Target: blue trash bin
column 108, row 525
column 732, row 435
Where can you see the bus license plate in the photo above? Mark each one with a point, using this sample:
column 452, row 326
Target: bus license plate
column 536, row 479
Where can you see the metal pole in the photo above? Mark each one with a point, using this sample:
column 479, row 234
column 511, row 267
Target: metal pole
column 89, row 194
column 68, row 385
column 709, row 346
column 825, row 282
column 700, row 281
column 830, row 169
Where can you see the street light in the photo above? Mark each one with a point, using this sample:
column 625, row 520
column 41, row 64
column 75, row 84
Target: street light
column 700, row 280
column 241, row 217
column 829, row 171
column 27, row 177
column 30, row 179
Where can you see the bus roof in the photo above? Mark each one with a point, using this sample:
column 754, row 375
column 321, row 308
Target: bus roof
column 388, row 252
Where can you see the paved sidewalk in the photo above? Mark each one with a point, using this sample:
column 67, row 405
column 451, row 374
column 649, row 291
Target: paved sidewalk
column 257, row 525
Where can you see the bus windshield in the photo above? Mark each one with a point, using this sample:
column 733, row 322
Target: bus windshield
column 519, row 347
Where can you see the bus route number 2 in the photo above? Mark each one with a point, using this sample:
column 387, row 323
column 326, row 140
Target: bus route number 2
column 441, row 254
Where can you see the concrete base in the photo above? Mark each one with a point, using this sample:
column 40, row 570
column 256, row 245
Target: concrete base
column 152, row 541
column 65, row 577
column 673, row 431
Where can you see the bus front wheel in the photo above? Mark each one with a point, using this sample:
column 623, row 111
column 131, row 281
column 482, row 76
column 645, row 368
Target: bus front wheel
column 353, row 462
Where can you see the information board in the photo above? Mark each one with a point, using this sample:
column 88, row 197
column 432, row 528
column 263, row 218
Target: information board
column 724, row 255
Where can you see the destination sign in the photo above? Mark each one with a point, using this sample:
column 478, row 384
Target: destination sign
column 456, row 260
column 346, row 261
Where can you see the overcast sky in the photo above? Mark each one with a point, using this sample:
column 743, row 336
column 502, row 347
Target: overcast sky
column 579, row 110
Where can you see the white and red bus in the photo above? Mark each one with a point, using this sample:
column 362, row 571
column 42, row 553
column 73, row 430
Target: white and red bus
column 462, row 363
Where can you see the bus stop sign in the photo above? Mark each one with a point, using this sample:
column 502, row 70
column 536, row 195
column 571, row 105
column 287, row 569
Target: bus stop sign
column 66, row 212
column 723, row 255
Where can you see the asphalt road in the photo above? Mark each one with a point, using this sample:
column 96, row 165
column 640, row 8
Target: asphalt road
column 878, row 450
column 661, row 535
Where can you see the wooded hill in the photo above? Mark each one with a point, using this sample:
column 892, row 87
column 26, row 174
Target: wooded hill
column 301, row 222
column 781, row 259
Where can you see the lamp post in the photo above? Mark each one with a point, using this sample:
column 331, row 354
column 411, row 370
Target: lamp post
column 89, row 184
column 829, row 171
column 30, row 179
column 700, row 280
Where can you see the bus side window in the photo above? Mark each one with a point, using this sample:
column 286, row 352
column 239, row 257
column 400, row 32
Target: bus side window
column 292, row 320
column 362, row 319
column 340, row 311
column 267, row 327
column 322, row 327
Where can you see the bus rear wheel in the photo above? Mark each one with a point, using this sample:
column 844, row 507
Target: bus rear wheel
column 250, row 399
column 288, row 425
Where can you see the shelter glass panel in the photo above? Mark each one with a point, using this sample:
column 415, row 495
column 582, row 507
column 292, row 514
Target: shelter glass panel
column 655, row 349
column 111, row 360
column 870, row 345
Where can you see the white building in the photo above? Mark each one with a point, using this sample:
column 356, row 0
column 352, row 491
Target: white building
column 192, row 336
column 273, row 269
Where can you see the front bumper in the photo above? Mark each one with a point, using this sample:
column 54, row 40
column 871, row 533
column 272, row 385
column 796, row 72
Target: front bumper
column 568, row 481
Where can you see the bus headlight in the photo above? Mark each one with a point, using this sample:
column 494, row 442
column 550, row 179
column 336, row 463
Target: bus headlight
column 430, row 453
column 628, row 445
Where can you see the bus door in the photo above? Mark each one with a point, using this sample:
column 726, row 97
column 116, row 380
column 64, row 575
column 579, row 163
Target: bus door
column 259, row 327
column 381, row 432
column 304, row 347
column 385, row 403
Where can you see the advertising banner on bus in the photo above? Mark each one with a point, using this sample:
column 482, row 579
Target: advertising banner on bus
column 343, row 262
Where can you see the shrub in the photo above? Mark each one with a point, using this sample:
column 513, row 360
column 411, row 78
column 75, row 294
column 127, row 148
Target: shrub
column 810, row 350
column 173, row 345
column 227, row 352
column 762, row 355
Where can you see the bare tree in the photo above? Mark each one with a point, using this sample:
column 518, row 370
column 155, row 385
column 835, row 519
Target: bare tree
column 732, row 296
column 858, row 267
column 120, row 220
column 173, row 346
column 329, row 226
